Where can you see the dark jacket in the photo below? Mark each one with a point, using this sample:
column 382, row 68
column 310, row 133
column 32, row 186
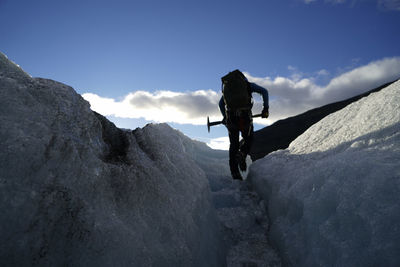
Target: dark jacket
column 254, row 88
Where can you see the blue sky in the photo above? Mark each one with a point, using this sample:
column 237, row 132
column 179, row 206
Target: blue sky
column 144, row 61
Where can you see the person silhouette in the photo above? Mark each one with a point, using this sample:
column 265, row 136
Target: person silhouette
column 235, row 105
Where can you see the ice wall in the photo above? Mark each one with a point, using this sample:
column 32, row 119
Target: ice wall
column 77, row 191
column 333, row 195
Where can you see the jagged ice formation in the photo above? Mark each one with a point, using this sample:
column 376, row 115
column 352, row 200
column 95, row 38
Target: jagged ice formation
column 333, row 196
column 77, row 191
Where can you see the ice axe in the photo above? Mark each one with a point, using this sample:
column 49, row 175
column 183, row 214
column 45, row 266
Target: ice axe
column 213, row 123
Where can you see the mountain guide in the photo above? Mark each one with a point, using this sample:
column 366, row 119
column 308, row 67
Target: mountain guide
column 235, row 105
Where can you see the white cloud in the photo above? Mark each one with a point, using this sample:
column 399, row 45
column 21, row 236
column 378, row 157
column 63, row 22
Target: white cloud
column 161, row 106
column 322, row 72
column 288, row 96
column 291, row 96
column 219, row 143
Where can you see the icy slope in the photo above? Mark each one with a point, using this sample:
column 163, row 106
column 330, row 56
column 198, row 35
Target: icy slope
column 280, row 134
column 333, row 195
column 77, row 191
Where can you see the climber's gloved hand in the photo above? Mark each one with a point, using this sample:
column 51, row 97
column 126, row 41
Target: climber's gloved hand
column 264, row 113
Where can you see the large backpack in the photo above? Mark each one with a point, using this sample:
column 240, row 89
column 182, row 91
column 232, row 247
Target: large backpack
column 236, row 91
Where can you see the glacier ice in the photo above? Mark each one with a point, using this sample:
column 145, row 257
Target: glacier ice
column 77, row 191
column 333, row 196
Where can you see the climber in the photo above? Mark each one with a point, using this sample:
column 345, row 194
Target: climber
column 235, row 105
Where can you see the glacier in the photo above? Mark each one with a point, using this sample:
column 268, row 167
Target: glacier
column 332, row 196
column 77, row 191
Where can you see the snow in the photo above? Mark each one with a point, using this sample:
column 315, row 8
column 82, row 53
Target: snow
column 11, row 70
column 242, row 213
column 77, row 191
column 333, row 196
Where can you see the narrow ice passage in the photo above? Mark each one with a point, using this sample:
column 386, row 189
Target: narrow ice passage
column 245, row 223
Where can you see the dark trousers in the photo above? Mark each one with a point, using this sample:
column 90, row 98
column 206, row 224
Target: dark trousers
column 236, row 124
